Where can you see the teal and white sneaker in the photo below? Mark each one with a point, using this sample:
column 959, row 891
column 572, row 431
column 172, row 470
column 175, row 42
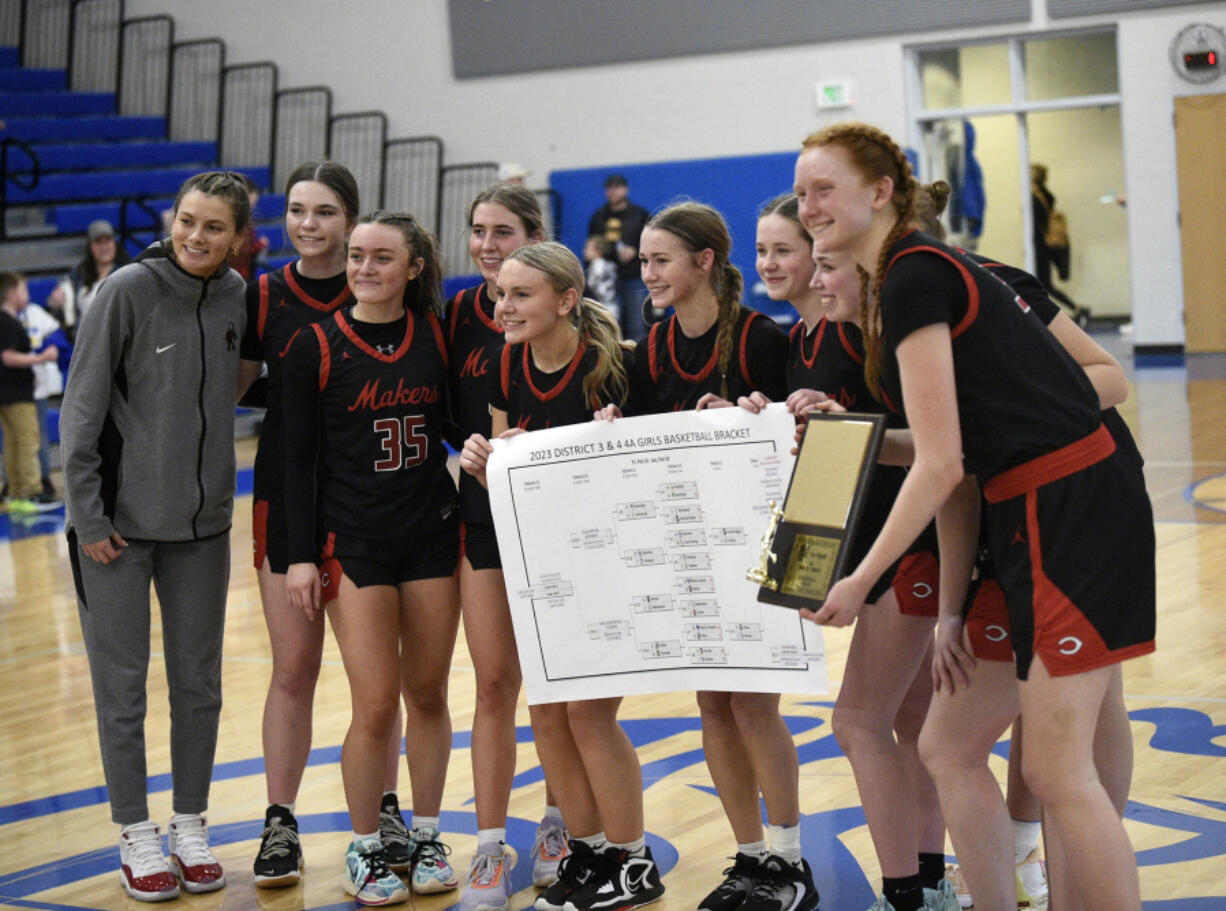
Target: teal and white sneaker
column 942, row 898
column 368, row 878
column 550, row 846
column 429, row 870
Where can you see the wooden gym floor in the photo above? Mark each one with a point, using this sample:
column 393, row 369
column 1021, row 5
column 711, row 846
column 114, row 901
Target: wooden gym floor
column 57, row 843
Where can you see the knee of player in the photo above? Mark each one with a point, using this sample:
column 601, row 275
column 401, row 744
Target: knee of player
column 375, row 711
column 296, row 679
column 497, row 691
column 427, row 700
column 1056, row 780
column 549, row 719
column 715, row 708
column 755, row 712
column 856, row 729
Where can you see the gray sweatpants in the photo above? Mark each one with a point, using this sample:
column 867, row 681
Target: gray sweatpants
column 191, row 579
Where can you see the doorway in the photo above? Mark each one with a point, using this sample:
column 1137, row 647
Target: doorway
column 1202, row 219
column 1052, row 100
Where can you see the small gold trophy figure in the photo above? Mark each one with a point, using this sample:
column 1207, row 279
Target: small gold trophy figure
column 761, row 573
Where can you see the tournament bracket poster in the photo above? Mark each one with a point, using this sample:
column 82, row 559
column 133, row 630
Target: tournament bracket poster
column 625, row 546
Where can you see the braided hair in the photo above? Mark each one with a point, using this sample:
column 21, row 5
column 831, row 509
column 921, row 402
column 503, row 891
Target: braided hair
column 595, row 324
column 875, row 155
column 423, row 294
column 699, row 228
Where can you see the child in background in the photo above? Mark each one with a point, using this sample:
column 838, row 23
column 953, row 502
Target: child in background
column 18, row 413
column 44, row 331
column 601, row 276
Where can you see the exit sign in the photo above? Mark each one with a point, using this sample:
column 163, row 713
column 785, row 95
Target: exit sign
column 835, row 93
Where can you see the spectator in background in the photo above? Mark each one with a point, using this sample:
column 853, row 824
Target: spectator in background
column 513, row 172
column 601, row 276
column 620, row 222
column 18, row 415
column 252, row 255
column 1049, row 250
column 103, row 255
column 45, row 331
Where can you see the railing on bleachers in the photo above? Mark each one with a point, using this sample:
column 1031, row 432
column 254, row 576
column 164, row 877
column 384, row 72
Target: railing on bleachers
column 357, row 139
column 254, row 122
column 459, row 184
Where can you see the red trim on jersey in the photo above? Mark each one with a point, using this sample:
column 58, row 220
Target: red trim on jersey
column 457, row 304
column 285, row 350
column 653, row 362
column 852, row 353
column 483, row 292
column 972, row 289
column 438, row 337
column 375, row 352
column 817, row 342
column 263, row 318
column 259, row 529
column 753, row 314
column 325, row 356
column 672, row 353
column 504, row 371
column 1053, row 466
column 311, row 302
column 562, row 383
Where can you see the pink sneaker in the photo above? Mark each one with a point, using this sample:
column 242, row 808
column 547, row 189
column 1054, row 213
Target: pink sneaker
column 190, row 856
column 142, row 866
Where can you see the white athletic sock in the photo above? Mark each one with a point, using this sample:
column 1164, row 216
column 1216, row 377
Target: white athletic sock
column 292, row 806
column 552, row 812
column 490, row 838
column 1025, row 839
column 361, row 838
column 755, row 849
column 636, row 848
column 784, row 842
column 425, row 822
column 596, row 842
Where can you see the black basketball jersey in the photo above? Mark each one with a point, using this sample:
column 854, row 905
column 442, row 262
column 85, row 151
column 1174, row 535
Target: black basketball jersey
column 279, row 304
column 1042, row 306
column 473, row 343
column 1020, row 395
column 372, row 397
column 675, row 371
column 830, row 359
column 534, row 400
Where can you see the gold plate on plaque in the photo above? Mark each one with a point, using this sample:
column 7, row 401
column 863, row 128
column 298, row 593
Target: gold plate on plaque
column 806, row 549
column 810, row 567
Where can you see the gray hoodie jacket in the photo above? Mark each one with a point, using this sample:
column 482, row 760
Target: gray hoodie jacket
column 147, row 423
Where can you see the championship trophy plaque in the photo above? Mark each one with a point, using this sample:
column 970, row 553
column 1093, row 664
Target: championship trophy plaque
column 806, row 545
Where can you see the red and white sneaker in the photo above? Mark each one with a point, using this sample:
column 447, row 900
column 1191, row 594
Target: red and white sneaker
column 142, row 866
column 190, row 856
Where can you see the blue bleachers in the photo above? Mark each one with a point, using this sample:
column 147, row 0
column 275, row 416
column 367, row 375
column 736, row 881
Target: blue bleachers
column 10, row 58
column 54, row 104
column 113, row 184
column 85, row 156
column 23, row 80
column 50, row 129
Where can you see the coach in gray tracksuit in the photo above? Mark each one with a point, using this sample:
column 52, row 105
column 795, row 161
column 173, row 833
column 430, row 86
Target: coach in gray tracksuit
column 148, row 447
